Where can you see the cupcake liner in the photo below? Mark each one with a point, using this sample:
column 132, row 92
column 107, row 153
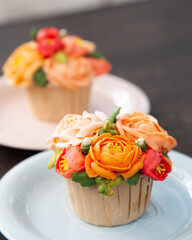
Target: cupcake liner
column 124, row 206
column 52, row 103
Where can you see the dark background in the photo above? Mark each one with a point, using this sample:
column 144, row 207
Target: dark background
column 148, row 43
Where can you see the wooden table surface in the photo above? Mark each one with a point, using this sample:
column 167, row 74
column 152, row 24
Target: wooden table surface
column 148, row 43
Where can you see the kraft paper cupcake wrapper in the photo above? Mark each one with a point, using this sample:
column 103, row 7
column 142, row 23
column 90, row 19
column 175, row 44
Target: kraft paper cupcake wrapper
column 127, row 203
column 52, row 103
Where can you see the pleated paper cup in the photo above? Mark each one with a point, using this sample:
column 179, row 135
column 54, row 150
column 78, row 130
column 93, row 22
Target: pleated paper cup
column 51, row 103
column 126, row 204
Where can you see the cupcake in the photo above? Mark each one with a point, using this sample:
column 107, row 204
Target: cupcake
column 57, row 71
column 109, row 163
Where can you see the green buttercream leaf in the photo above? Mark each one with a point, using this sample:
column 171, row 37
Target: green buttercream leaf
column 113, row 115
column 165, row 155
column 60, row 56
column 85, row 148
column 53, row 159
column 33, row 33
column 95, row 55
column 105, row 185
column 108, row 127
column 40, row 78
column 134, row 179
column 109, row 123
column 83, row 179
column 101, row 131
column 118, row 180
column 141, row 143
column 105, row 189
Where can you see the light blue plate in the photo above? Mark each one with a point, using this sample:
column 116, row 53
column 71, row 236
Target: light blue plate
column 34, row 206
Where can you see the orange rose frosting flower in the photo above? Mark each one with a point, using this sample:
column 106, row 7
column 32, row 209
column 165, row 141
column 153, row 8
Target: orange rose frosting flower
column 109, row 156
column 137, row 125
column 22, row 64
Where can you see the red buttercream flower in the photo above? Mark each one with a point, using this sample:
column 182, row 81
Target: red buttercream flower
column 99, row 65
column 69, row 161
column 48, row 41
column 155, row 165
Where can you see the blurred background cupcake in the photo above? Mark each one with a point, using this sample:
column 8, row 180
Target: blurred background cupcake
column 57, row 70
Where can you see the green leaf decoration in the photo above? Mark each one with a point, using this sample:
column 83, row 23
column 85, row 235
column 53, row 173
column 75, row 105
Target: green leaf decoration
column 105, row 185
column 109, row 123
column 141, row 143
column 53, row 159
column 132, row 181
column 85, row 148
column 101, row 131
column 108, row 127
column 95, row 55
column 83, row 179
column 40, row 78
column 165, row 155
column 105, row 189
column 33, row 33
column 113, row 115
column 60, row 56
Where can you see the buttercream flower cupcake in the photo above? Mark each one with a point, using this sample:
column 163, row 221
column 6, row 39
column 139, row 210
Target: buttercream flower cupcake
column 109, row 163
column 57, row 71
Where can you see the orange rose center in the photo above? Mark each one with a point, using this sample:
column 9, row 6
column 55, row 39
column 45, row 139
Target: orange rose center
column 113, row 153
column 114, row 146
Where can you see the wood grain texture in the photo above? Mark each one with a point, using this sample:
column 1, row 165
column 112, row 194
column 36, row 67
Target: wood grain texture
column 148, row 43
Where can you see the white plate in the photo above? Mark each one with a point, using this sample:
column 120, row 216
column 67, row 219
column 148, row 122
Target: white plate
column 34, row 206
column 19, row 128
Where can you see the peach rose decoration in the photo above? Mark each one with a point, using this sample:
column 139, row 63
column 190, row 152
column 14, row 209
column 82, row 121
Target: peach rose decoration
column 73, row 128
column 74, row 74
column 109, row 156
column 137, row 125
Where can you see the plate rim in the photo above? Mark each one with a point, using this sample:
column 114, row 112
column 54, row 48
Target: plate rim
column 14, row 144
column 44, row 154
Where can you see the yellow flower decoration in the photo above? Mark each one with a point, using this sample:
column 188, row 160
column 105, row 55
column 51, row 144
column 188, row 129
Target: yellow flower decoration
column 22, row 64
